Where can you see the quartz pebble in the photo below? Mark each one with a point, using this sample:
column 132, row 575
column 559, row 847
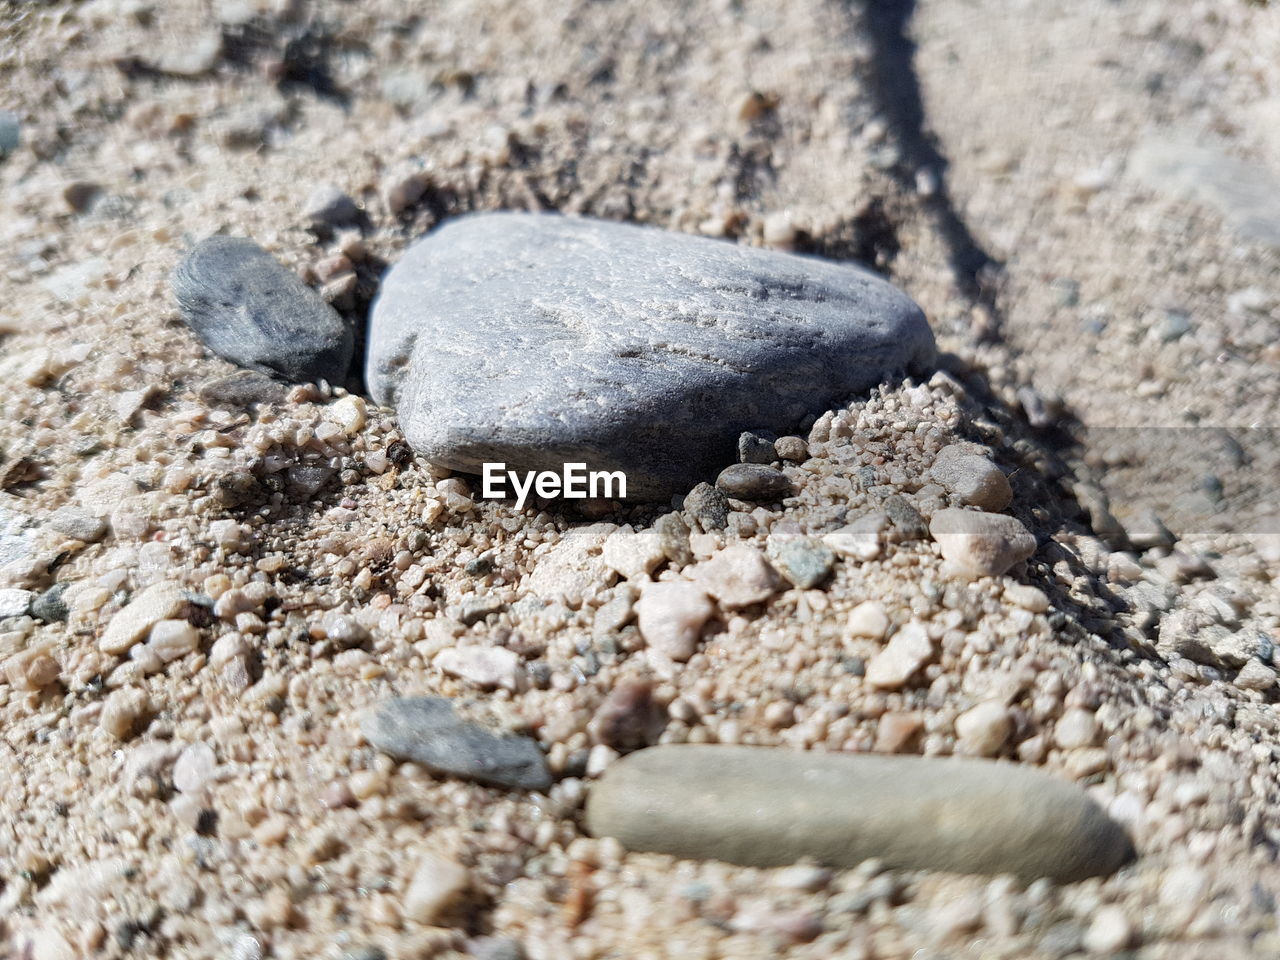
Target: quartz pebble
column 860, row 540
column 171, row 639
column 160, row 601
column 754, row 481
column 737, row 576
column 437, row 882
column 908, row 651
column 971, row 479
column 983, row 729
column 868, row 619
column 1075, row 728
column 633, row 555
column 123, row 711
column 671, row 616
column 977, row 544
column 792, row 449
column 762, row 806
column 427, row 731
column 194, row 768
column 614, row 358
column 15, row 602
column 483, row 666
column 1109, row 932
column 250, row 310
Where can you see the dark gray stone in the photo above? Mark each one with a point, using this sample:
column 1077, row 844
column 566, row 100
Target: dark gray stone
column 755, row 482
column 708, row 506
column 755, row 448
column 49, row 607
column 427, row 731
column 537, row 340
column 243, row 388
column 765, row 806
column 250, row 310
column 906, row 519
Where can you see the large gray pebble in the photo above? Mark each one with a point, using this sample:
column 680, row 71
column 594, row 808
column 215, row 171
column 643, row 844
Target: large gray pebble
column 427, row 731
column 250, row 310
column 537, row 340
column 763, row 806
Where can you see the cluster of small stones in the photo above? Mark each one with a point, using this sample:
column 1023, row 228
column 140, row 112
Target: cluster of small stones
column 827, row 619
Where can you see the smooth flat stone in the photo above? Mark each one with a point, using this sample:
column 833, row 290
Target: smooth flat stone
column 427, row 731
column 250, row 310
column 536, row 340
column 766, row 806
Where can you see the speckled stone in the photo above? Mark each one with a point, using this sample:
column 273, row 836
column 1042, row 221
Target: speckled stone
column 536, row 340
column 764, row 807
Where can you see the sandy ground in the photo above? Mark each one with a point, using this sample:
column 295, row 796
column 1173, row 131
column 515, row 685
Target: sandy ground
column 1080, row 199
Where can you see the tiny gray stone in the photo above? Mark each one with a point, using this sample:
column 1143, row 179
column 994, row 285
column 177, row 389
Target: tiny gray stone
column 329, row 208
column 49, row 606
column 78, row 524
column 495, row 948
column 755, row 448
column 805, row 562
column 906, row 519
column 476, row 609
column 15, row 602
column 1175, row 325
column 80, row 195
column 537, row 340
column 764, row 807
column 673, row 537
column 250, row 310
column 708, row 507
column 755, row 482
column 242, row 389
column 427, row 731
column 10, row 133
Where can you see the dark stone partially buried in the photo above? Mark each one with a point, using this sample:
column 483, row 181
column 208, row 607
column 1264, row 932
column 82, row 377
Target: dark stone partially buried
column 537, row 340
column 250, row 310
column 427, row 731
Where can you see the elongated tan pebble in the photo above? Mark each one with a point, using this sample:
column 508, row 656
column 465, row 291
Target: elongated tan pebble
column 766, row 806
